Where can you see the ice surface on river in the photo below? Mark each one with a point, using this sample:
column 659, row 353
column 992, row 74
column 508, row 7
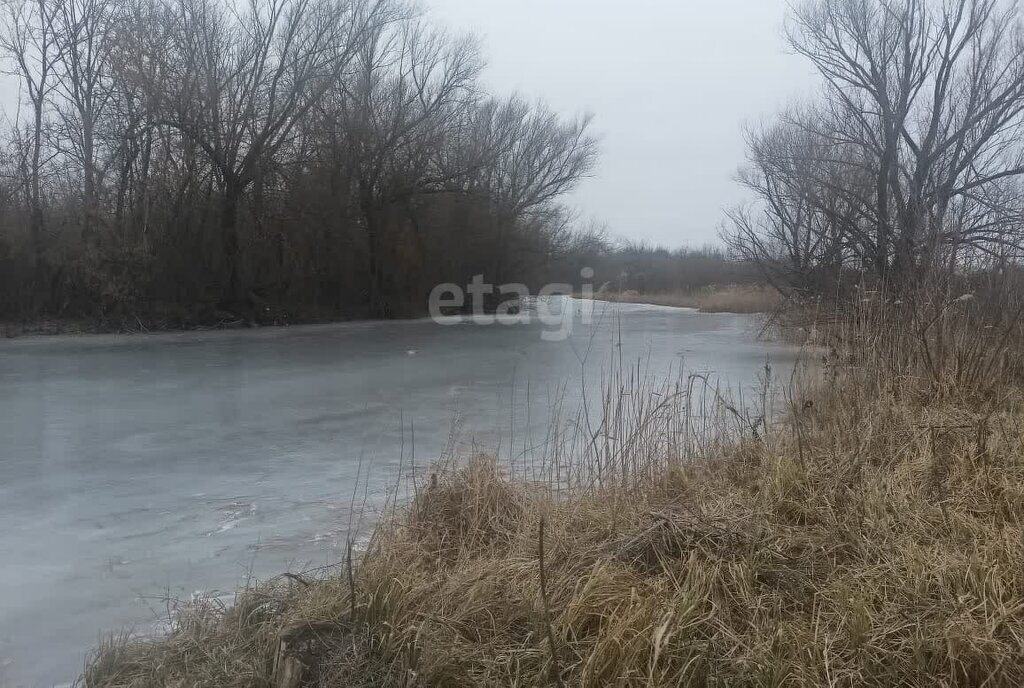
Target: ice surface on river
column 136, row 469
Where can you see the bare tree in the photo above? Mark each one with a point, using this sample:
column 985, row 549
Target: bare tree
column 29, row 38
column 85, row 33
column 537, row 158
column 399, row 109
column 237, row 86
column 924, row 98
column 811, row 194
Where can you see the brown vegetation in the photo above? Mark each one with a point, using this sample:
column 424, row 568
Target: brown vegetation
column 729, row 299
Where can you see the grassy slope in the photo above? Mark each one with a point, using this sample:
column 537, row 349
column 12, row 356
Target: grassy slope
column 871, row 538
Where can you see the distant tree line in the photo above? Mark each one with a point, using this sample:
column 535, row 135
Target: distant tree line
column 633, row 266
column 907, row 169
column 184, row 161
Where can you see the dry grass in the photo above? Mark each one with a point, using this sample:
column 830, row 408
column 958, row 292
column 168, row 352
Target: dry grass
column 870, row 538
column 727, row 299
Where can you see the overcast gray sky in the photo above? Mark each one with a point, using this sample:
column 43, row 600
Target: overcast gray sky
column 671, row 83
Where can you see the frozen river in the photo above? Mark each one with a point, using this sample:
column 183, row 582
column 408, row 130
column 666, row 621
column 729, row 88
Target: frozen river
column 133, row 468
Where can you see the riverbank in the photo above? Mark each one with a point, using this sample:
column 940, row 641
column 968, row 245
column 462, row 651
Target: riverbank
column 172, row 320
column 724, row 299
column 869, row 537
column 740, row 299
column 176, row 319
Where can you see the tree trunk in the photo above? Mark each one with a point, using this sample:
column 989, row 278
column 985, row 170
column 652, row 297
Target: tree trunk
column 376, row 299
column 36, row 204
column 498, row 260
column 88, row 181
column 884, row 230
column 371, row 216
column 229, row 236
column 142, row 200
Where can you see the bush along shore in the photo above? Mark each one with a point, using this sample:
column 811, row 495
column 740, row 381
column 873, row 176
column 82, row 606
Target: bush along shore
column 868, row 534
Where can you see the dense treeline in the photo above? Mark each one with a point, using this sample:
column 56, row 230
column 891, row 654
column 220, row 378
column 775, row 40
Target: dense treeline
column 907, row 170
column 612, row 265
column 646, row 269
column 200, row 160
